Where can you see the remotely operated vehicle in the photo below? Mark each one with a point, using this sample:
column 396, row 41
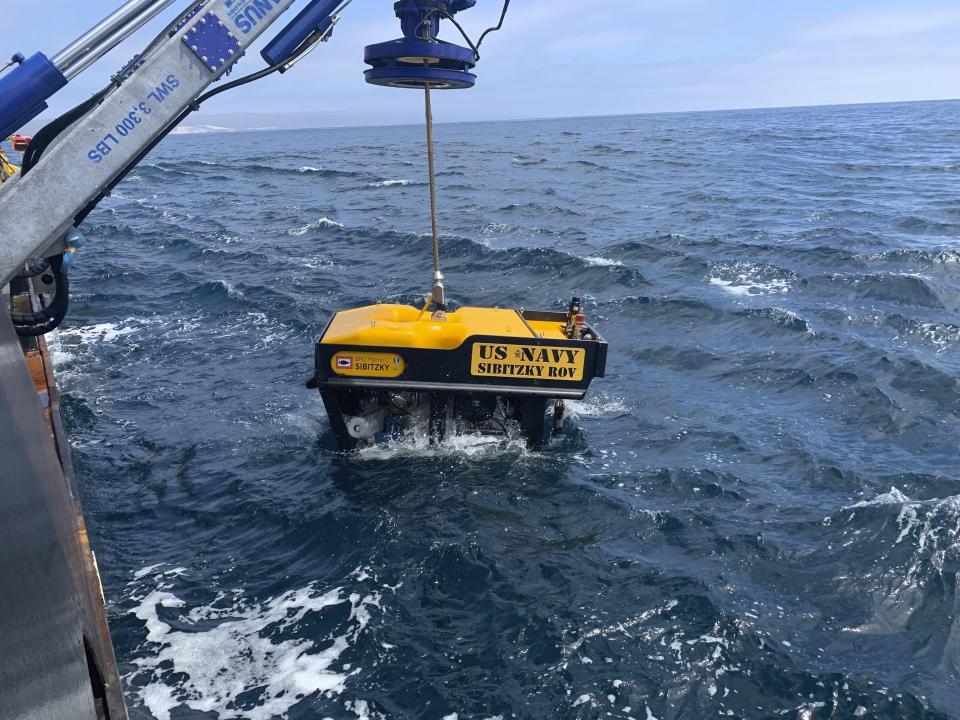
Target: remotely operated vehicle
column 381, row 370
column 387, row 372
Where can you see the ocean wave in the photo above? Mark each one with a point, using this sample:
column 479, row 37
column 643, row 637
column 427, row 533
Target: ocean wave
column 943, row 336
column 467, row 445
column 916, row 224
column 510, row 229
column 308, row 170
column 901, row 288
column 606, row 149
column 914, row 542
column 168, row 168
column 388, row 183
column 596, row 261
column 320, row 224
column 744, row 287
column 745, row 279
column 778, row 345
column 539, row 210
column 99, row 333
column 926, row 257
column 597, row 404
column 780, row 316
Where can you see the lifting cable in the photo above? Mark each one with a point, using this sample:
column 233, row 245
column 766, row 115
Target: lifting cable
column 437, row 298
column 433, row 179
column 437, row 293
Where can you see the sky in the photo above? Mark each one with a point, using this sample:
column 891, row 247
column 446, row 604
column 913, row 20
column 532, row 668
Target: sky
column 560, row 58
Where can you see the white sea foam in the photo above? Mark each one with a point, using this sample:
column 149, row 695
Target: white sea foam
column 208, row 656
column 932, row 527
column 495, row 228
column 894, row 497
column 323, row 222
column 596, row 405
column 619, row 628
column 786, row 317
column 470, row 445
column 361, row 708
column 58, row 355
column 317, row 262
column 232, row 290
column 704, row 659
column 744, row 286
column 388, row 183
column 65, row 340
column 583, row 700
column 943, row 337
column 99, row 333
column 149, row 570
column 594, row 261
column 745, row 279
column 308, row 169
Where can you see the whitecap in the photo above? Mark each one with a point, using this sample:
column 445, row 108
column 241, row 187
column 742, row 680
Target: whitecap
column 323, row 222
column 596, row 405
column 894, row 497
column 744, row 279
column 232, row 290
column 744, row 286
column 472, row 445
column 594, row 261
column 209, row 656
column 101, row 332
column 388, row 183
column 149, row 570
column 931, row 527
column 623, row 628
column 58, row 355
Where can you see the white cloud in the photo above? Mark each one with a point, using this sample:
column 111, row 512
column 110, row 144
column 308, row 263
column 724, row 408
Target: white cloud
column 593, row 41
column 891, row 22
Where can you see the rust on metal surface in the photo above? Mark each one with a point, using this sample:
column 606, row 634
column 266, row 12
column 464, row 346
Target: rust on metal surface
column 87, row 576
column 67, row 532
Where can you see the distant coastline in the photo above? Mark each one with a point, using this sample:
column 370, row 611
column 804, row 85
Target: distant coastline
column 262, row 122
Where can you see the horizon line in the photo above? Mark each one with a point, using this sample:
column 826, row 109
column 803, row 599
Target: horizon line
column 217, row 129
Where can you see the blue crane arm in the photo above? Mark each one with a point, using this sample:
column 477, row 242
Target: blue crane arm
column 99, row 141
column 24, row 91
column 315, row 20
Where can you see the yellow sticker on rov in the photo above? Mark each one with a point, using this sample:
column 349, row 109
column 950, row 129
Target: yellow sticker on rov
column 527, row 362
column 368, row 364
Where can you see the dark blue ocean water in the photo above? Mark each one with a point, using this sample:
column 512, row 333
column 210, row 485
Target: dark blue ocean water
column 755, row 515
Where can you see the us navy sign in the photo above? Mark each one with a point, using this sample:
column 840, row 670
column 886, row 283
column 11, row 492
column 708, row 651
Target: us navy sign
column 527, row 362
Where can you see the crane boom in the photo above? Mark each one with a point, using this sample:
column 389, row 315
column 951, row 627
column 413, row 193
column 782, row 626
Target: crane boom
column 38, row 208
